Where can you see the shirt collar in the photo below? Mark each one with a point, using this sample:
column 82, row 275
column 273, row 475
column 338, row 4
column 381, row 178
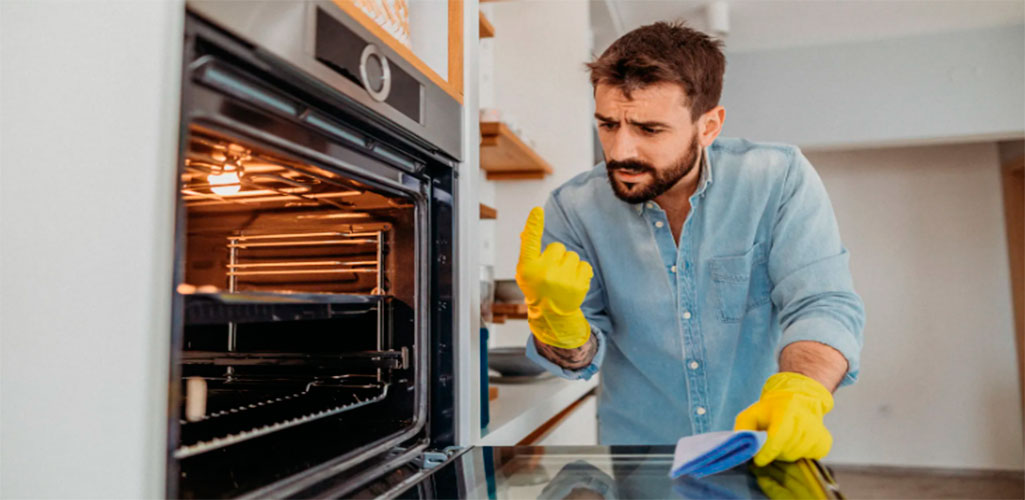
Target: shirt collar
column 706, row 174
column 704, row 179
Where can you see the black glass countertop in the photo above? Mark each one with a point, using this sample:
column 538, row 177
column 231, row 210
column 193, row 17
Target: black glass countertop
column 607, row 472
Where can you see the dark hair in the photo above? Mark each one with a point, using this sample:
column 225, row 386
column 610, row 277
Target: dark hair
column 665, row 52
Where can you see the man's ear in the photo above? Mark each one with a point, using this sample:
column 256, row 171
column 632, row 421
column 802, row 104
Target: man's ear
column 710, row 125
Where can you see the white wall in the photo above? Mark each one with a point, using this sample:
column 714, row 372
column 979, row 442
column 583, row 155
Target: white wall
column 428, row 33
column 538, row 55
column 946, row 87
column 938, row 385
column 89, row 130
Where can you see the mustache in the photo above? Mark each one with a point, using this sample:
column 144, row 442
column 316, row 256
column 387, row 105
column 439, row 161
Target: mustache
column 633, row 166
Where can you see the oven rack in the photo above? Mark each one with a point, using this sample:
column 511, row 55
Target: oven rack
column 262, row 307
column 395, row 359
column 262, row 260
column 258, row 419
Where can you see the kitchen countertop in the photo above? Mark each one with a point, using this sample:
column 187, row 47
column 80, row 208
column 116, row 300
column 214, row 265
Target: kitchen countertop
column 521, row 408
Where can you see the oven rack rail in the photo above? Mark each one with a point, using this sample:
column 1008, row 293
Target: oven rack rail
column 394, row 359
column 271, row 416
column 232, row 383
column 263, row 307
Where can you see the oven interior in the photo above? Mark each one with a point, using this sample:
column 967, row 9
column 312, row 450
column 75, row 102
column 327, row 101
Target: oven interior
column 299, row 335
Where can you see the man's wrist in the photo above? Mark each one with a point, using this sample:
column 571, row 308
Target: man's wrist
column 570, row 359
column 815, row 360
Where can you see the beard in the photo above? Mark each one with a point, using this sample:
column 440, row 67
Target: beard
column 661, row 179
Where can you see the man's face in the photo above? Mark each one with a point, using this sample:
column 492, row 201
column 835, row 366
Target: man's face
column 649, row 140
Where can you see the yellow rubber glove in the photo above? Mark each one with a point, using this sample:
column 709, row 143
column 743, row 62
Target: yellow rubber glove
column 791, row 410
column 554, row 283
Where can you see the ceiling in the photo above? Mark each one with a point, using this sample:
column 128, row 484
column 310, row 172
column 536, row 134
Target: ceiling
column 775, row 24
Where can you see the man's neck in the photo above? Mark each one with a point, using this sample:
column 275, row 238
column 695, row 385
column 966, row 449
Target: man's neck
column 678, row 196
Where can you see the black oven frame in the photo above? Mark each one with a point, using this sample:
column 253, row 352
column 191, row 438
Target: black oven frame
column 427, row 175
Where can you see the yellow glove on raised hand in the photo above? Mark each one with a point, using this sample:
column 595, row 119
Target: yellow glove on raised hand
column 554, row 283
column 791, row 409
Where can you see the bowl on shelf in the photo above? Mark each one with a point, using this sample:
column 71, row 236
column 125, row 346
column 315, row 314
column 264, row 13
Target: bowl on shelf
column 508, row 292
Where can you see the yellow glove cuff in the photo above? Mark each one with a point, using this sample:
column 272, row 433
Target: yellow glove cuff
column 800, row 384
column 565, row 331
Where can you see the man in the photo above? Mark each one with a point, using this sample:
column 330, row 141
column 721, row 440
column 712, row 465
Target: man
column 691, row 269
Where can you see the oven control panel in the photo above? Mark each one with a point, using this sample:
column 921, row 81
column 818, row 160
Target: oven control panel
column 362, row 62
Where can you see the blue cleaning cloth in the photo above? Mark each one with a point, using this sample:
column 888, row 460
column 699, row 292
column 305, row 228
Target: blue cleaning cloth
column 704, row 454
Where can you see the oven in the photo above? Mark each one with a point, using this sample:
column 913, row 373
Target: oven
column 312, row 336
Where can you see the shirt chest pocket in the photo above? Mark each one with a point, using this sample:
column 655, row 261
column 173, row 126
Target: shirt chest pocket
column 741, row 282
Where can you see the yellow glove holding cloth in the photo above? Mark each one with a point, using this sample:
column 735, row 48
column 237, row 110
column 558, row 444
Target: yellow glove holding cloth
column 554, row 282
column 791, row 410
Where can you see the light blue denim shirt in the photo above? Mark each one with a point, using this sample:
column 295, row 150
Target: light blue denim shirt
column 688, row 331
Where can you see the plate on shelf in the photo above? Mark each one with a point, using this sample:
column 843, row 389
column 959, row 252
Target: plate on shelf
column 512, row 362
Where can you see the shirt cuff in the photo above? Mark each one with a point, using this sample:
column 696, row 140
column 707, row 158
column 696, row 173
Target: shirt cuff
column 584, row 373
column 828, row 331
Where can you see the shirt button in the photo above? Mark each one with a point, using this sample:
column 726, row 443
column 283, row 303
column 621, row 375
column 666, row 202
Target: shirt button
column 672, row 269
column 700, row 410
column 693, row 365
column 686, row 315
column 658, row 224
column 651, row 205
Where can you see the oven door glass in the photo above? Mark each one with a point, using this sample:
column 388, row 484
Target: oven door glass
column 596, row 472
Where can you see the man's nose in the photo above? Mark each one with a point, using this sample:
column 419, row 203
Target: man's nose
column 623, row 147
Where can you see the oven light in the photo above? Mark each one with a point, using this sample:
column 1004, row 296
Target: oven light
column 224, row 184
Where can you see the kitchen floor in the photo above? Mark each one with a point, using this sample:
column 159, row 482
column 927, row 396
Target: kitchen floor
column 908, row 483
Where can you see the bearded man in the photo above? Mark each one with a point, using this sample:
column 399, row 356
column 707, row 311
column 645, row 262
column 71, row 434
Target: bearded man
column 704, row 276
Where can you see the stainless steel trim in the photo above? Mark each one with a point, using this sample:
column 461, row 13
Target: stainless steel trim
column 371, row 51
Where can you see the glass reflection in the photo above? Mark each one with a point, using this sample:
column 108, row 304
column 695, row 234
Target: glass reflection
column 599, row 472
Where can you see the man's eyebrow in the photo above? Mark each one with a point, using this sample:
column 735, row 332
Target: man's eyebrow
column 648, row 124
column 651, row 124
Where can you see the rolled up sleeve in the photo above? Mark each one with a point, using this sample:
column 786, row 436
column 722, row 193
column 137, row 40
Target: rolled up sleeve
column 584, row 373
column 810, row 269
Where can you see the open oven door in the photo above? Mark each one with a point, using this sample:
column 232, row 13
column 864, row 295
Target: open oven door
column 556, row 472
